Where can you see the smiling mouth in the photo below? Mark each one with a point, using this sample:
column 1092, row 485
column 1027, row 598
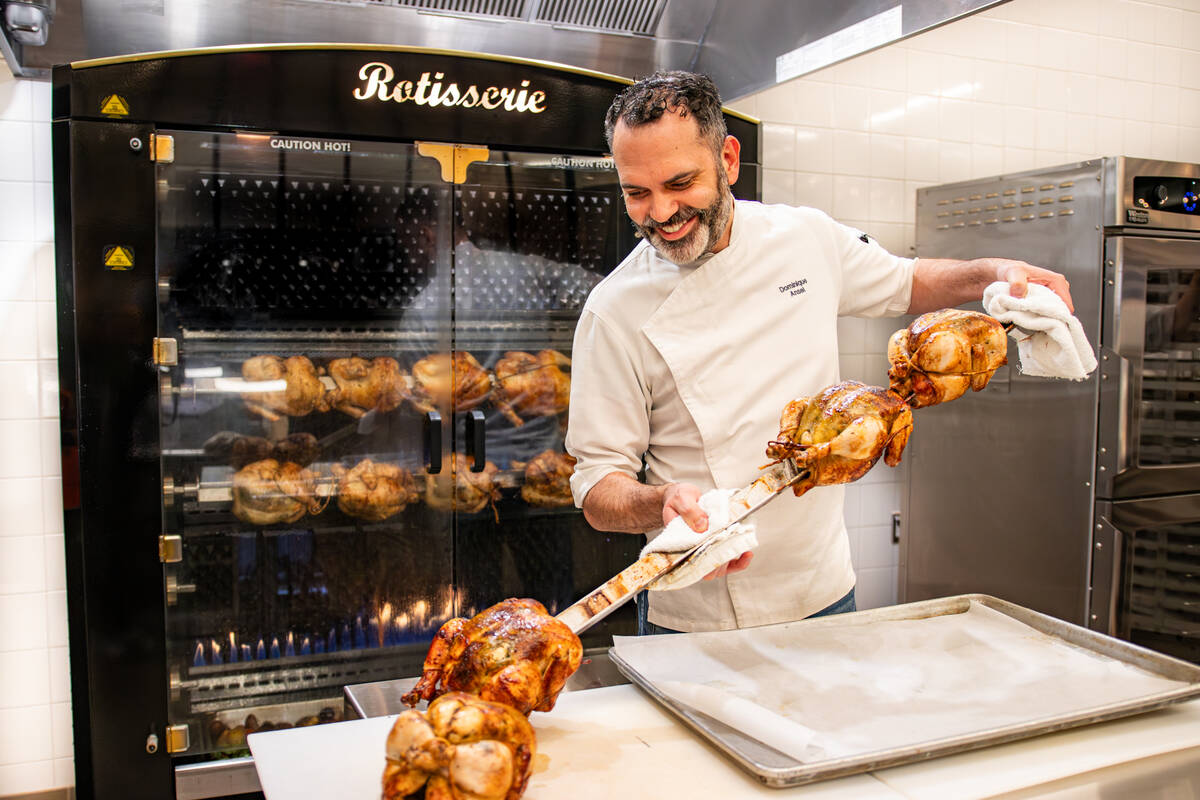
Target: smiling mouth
column 674, row 231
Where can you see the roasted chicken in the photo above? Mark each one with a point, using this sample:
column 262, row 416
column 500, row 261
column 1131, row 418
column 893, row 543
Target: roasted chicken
column 461, row 748
column 362, row 385
column 839, row 433
column 547, row 479
column 529, row 386
column 457, row 488
column 268, row 492
column 374, row 491
column 513, row 653
column 445, row 380
column 239, row 450
column 303, row 393
column 943, row 353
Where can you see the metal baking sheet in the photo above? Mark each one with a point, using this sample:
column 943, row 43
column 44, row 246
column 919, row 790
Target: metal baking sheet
column 1146, row 679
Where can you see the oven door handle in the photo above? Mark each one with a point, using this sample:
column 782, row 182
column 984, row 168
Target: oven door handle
column 432, row 434
column 1107, row 557
column 475, row 438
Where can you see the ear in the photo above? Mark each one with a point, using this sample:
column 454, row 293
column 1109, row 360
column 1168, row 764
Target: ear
column 731, row 152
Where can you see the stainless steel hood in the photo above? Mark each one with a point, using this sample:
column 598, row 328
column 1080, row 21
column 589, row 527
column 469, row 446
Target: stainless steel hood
column 745, row 45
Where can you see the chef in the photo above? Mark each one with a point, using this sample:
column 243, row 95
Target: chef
column 687, row 352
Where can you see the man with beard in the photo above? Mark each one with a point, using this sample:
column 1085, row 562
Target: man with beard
column 686, row 353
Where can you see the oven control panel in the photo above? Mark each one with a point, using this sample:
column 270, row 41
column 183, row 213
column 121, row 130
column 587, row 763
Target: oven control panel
column 1165, row 193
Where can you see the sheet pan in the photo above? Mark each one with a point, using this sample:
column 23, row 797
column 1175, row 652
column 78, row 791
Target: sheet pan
column 857, row 692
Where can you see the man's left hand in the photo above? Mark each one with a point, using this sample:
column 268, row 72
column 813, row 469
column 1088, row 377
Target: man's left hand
column 737, row 565
column 1019, row 275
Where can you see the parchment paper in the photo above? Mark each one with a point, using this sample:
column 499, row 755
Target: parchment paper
column 850, row 688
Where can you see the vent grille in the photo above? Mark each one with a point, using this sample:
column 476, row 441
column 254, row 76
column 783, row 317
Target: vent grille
column 615, row 16
column 627, row 17
column 508, row 9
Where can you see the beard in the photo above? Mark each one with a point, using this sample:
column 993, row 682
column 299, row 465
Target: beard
column 711, row 223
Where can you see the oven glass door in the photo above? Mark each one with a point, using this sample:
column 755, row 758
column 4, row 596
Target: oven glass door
column 1153, row 595
column 1150, row 394
column 299, row 283
column 534, row 232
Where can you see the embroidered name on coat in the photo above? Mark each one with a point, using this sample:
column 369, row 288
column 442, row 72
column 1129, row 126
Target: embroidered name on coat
column 795, row 287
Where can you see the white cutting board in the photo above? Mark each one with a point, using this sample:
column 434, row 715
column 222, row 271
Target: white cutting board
column 616, row 742
column 596, row 745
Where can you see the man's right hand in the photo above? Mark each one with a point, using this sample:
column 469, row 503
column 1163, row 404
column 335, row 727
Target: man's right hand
column 682, row 500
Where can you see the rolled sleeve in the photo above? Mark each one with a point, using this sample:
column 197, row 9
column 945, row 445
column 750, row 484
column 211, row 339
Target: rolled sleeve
column 609, row 425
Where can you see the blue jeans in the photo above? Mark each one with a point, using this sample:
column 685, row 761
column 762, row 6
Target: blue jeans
column 648, row 628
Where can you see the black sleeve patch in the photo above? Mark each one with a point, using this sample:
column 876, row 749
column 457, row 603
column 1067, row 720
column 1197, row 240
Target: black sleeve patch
column 862, row 237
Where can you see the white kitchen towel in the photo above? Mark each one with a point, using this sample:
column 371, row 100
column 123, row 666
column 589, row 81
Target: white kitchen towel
column 1051, row 343
column 678, row 536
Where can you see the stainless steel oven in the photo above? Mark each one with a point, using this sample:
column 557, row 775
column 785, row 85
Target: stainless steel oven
column 1079, row 499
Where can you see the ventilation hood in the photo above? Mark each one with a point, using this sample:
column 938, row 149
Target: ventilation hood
column 745, row 45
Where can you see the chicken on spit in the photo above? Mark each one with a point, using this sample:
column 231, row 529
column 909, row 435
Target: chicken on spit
column 374, row 491
column 362, row 385
column 513, row 653
column 547, row 479
column 268, row 492
column 443, row 380
column 457, row 488
column 461, row 748
column 943, row 353
column 529, row 386
column 303, row 394
column 839, row 433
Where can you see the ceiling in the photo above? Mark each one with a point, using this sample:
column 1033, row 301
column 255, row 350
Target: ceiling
column 739, row 43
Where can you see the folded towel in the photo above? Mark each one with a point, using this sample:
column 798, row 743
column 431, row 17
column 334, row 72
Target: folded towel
column 1051, row 342
column 678, row 537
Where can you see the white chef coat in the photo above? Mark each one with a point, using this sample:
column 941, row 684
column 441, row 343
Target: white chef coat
column 689, row 367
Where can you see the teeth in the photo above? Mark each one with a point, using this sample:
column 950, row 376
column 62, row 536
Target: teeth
column 673, row 228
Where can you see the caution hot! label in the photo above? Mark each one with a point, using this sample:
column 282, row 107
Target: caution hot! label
column 118, row 256
column 114, row 106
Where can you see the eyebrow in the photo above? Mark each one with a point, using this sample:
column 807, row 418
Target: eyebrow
column 673, row 179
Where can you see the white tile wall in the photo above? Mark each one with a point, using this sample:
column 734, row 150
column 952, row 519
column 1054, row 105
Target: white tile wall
column 35, row 697
column 1026, row 84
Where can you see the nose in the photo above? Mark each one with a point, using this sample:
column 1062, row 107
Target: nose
column 662, row 208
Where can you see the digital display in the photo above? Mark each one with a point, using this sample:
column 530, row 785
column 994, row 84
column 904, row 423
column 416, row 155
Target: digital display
column 1176, row 195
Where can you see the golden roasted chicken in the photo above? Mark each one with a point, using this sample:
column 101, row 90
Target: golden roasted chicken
column 457, row 488
column 239, row 450
column 529, row 386
column 839, row 433
column 548, row 479
column 943, row 353
column 376, row 385
column 461, row 748
column 303, row 393
column 442, row 380
column 374, row 491
column 268, row 492
column 513, row 653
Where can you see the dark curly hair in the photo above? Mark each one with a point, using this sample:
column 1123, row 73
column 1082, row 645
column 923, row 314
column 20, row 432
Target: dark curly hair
column 682, row 93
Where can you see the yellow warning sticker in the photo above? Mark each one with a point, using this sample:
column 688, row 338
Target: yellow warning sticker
column 115, row 105
column 118, row 257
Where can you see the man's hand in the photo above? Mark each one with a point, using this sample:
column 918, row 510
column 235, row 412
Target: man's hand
column 680, row 500
column 1019, row 275
column 737, row 565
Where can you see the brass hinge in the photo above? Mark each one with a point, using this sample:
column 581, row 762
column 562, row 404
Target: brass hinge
column 162, row 148
column 170, row 548
column 166, row 352
column 454, row 158
column 178, row 740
